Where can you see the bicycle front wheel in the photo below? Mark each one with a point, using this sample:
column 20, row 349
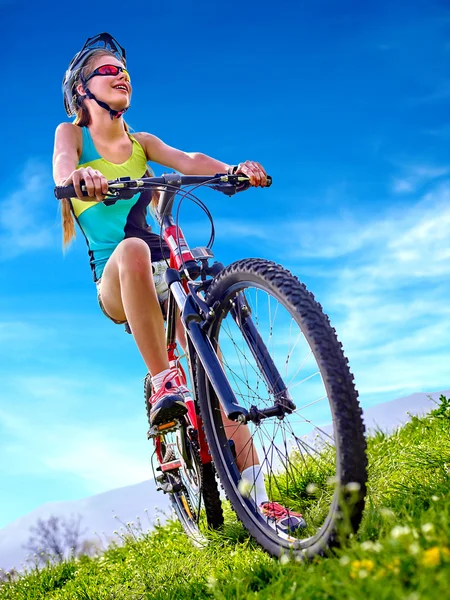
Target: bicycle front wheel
column 271, row 335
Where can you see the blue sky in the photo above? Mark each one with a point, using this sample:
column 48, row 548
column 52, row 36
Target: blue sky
column 344, row 103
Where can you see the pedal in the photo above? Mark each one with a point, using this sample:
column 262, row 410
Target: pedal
column 157, row 430
column 171, row 466
column 170, row 488
column 202, row 253
column 166, row 486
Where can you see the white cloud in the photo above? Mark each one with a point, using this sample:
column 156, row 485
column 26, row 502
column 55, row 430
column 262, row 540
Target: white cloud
column 403, row 185
column 390, row 303
column 440, row 132
column 102, row 459
column 388, row 298
column 74, row 427
column 416, row 235
column 27, row 215
column 102, row 454
column 415, row 175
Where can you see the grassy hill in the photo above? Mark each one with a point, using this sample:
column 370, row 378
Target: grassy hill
column 402, row 550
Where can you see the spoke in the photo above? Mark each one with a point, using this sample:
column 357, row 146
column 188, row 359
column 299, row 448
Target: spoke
column 305, row 420
column 275, row 447
column 238, row 357
column 253, row 396
column 300, row 367
column 270, row 472
column 306, row 446
column 244, row 382
column 288, row 355
column 238, row 349
column 234, row 377
column 249, row 441
column 306, row 379
column 311, row 403
column 270, row 319
column 271, row 326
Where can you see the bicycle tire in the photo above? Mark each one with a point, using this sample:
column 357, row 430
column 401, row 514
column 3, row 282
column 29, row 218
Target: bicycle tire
column 347, row 502
column 212, row 502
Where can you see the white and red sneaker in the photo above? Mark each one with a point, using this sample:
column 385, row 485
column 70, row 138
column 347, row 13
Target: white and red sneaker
column 168, row 402
column 282, row 518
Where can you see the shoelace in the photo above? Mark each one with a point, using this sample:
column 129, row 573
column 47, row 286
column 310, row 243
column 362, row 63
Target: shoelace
column 276, row 511
column 173, row 377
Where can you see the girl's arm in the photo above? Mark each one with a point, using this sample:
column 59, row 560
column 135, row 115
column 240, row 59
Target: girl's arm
column 66, row 154
column 66, row 151
column 194, row 163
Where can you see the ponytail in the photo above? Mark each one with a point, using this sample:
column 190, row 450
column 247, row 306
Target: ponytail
column 68, row 222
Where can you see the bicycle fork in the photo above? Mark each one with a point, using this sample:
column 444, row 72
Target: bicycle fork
column 194, row 324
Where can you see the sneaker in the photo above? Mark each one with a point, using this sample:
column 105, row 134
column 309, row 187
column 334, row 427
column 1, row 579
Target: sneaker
column 283, row 519
column 168, row 402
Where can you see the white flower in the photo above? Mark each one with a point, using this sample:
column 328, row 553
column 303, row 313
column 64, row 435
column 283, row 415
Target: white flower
column 284, row 559
column 245, row 487
column 311, row 488
column 353, row 486
column 435, row 498
column 371, row 546
column 414, row 548
column 399, row 531
column 427, row 527
column 387, row 513
column 344, row 560
column 363, row 573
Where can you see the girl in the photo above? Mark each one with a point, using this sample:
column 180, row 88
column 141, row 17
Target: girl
column 125, row 255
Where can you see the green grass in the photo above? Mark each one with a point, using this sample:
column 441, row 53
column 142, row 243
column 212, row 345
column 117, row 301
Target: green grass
column 402, row 550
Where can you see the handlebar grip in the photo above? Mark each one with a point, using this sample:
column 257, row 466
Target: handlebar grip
column 67, row 191
column 244, row 185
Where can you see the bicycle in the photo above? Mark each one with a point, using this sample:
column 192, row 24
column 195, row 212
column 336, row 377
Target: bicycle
column 319, row 469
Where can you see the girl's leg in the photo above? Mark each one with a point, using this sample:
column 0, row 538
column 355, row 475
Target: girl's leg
column 240, row 434
column 128, row 293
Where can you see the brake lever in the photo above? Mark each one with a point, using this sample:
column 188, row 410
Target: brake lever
column 228, row 189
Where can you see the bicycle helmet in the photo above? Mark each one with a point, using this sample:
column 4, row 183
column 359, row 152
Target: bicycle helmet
column 100, row 41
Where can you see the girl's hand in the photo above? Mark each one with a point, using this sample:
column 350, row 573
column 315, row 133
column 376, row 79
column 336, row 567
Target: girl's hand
column 253, row 170
column 96, row 183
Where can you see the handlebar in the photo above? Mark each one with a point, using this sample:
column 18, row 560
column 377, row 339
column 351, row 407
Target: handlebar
column 125, row 187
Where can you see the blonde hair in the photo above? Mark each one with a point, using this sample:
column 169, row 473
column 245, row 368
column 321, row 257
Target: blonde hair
column 83, row 119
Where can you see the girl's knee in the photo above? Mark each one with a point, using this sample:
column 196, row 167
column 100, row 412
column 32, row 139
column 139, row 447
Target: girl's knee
column 134, row 255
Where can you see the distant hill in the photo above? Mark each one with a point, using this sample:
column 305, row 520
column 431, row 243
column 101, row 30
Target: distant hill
column 390, row 415
column 97, row 516
column 131, row 501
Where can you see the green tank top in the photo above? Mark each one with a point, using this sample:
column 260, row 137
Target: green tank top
column 106, row 224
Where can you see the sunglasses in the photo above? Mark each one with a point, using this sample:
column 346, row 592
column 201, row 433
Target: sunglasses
column 109, row 71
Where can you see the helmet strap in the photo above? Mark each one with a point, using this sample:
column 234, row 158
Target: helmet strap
column 114, row 114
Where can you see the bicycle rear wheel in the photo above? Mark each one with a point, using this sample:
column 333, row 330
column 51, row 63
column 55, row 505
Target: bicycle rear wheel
column 271, row 334
column 192, row 486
